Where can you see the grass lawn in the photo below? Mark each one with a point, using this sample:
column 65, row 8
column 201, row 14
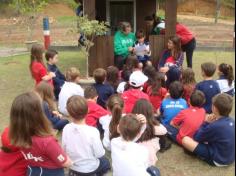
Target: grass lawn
column 15, row 79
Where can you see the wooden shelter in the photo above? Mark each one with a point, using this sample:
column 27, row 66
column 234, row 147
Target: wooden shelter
column 133, row 11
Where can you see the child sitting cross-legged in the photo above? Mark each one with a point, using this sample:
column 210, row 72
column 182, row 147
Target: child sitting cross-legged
column 82, row 142
column 154, row 134
column 214, row 142
column 188, row 121
column 104, row 90
column 172, row 105
column 208, row 86
column 128, row 157
column 49, row 106
column 70, row 88
column 95, row 111
column 12, row 161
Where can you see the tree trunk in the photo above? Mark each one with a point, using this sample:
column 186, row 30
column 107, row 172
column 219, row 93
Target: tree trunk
column 218, row 6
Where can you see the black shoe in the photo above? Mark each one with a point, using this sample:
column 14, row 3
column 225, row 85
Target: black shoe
column 165, row 144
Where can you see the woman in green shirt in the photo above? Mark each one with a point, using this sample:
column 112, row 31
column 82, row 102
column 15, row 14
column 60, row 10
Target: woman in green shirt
column 124, row 40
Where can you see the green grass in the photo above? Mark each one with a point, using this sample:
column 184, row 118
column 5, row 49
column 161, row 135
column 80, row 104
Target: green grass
column 15, row 79
column 66, row 20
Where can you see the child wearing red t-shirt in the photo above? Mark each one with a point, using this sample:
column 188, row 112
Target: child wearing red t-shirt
column 37, row 67
column 95, row 111
column 156, row 91
column 32, row 131
column 189, row 83
column 188, row 121
column 136, row 82
column 12, row 161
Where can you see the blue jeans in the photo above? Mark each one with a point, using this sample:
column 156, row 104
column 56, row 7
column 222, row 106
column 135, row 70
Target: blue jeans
column 172, row 132
column 39, row 171
column 153, row 171
column 103, row 168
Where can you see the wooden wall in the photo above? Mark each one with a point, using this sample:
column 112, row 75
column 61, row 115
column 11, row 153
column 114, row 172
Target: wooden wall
column 101, row 10
column 144, row 8
column 101, row 54
column 89, row 8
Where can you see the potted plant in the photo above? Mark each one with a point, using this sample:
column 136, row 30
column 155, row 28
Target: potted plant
column 29, row 9
column 89, row 29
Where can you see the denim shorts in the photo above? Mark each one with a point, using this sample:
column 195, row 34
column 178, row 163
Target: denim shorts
column 203, row 152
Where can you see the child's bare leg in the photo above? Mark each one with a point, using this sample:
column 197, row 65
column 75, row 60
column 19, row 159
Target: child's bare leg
column 189, row 143
column 149, row 63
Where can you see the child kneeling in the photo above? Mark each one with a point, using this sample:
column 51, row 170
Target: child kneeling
column 215, row 140
column 82, row 142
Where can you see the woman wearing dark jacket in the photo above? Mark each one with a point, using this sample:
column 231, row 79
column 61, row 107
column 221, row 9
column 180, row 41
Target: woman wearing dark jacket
column 172, row 60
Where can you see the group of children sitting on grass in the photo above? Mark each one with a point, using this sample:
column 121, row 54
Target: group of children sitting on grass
column 130, row 113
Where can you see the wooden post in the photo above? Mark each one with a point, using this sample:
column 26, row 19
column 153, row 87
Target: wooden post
column 89, row 9
column 171, row 18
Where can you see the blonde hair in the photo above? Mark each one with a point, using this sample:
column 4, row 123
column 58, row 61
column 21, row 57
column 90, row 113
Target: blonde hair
column 71, row 74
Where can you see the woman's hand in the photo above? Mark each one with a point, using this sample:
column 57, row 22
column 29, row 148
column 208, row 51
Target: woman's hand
column 52, row 74
column 164, row 69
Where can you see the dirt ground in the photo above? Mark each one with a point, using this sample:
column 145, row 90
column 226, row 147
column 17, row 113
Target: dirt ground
column 13, row 33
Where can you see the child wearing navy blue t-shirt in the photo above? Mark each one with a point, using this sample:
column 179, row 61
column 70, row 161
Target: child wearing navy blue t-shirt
column 59, row 80
column 171, row 106
column 208, row 86
column 214, row 142
column 104, row 90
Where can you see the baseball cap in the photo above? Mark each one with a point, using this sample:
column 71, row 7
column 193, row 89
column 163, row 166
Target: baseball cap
column 137, row 79
column 6, row 141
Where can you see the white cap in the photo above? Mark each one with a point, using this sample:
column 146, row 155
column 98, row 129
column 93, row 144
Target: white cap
column 137, row 79
column 161, row 25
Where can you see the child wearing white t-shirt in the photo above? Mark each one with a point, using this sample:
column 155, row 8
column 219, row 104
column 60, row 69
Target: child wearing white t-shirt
column 82, row 142
column 128, row 157
column 71, row 87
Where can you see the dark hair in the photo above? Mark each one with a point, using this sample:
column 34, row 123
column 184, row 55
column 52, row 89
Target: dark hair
column 124, row 25
column 143, row 106
column 208, row 68
column 99, row 75
column 197, row 98
column 125, row 74
column 188, row 76
column 36, row 54
column 77, row 107
column 27, row 119
column 113, row 76
column 223, row 103
column 131, row 63
column 129, row 127
column 45, row 91
column 177, row 46
column 150, row 72
column 176, row 90
column 227, row 71
column 115, row 104
column 140, row 34
column 157, row 83
column 90, row 92
column 50, row 54
column 71, row 74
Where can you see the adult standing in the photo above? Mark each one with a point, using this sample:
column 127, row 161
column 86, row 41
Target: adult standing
column 188, row 42
column 124, row 40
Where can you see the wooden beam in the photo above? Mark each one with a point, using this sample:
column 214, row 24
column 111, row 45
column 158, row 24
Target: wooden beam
column 89, row 8
column 170, row 17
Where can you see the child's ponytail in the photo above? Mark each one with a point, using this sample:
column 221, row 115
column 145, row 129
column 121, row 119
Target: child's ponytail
column 227, row 71
column 115, row 105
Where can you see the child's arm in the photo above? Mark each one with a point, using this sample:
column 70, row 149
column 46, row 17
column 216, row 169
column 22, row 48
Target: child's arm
column 49, row 76
column 97, row 145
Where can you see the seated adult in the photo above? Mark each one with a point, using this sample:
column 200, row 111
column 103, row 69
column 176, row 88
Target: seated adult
column 172, row 60
column 124, row 39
